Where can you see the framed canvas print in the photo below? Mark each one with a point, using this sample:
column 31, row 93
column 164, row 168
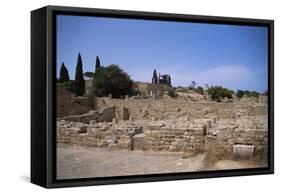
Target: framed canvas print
column 126, row 96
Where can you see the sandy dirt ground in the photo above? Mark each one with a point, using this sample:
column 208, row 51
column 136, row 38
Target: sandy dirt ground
column 85, row 162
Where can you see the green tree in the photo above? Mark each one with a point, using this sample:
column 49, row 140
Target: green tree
column 193, row 84
column 64, row 77
column 89, row 74
column 170, row 82
column 254, row 94
column 172, row 93
column 247, row 93
column 97, row 63
column 112, row 80
column 218, row 92
column 79, row 83
column 239, row 94
column 154, row 77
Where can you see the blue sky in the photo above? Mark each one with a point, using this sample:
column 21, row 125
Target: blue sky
column 232, row 56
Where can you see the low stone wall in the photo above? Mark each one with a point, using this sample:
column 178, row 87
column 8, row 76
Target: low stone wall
column 174, row 108
column 139, row 108
column 247, row 131
column 106, row 114
column 222, row 138
column 170, row 136
column 105, row 134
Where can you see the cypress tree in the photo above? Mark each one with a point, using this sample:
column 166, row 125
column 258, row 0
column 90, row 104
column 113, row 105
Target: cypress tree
column 97, row 63
column 64, row 77
column 170, row 83
column 79, row 83
column 154, row 77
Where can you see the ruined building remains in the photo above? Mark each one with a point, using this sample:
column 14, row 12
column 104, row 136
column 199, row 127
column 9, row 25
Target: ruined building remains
column 164, row 79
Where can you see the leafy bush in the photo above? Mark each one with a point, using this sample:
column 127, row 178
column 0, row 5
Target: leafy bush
column 218, row 92
column 172, row 93
column 254, row 94
column 239, row 93
column 112, row 80
column 89, row 74
column 136, row 92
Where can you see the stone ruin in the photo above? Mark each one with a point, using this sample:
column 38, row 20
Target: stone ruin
column 236, row 130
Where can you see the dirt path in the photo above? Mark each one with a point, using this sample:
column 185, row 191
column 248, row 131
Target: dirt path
column 83, row 162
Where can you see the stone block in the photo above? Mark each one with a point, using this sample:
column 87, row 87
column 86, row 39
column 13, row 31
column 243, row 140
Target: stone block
column 243, row 151
column 138, row 141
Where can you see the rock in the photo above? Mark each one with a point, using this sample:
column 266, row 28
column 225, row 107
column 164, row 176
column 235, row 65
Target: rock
column 138, row 141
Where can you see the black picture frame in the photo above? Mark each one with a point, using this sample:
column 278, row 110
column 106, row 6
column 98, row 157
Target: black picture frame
column 43, row 96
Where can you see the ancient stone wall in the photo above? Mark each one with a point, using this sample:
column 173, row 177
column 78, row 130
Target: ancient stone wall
column 184, row 136
column 106, row 114
column 221, row 138
column 149, row 89
column 174, row 108
column 175, row 125
column 245, row 131
column 106, row 134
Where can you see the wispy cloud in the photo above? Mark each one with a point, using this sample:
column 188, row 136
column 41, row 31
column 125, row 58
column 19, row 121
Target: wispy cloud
column 226, row 75
column 230, row 76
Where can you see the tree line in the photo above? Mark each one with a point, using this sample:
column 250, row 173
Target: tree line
column 113, row 80
column 78, row 85
column 217, row 93
column 105, row 80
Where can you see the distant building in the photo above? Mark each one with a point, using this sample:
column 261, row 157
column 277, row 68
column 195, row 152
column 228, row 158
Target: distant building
column 164, row 79
column 149, row 89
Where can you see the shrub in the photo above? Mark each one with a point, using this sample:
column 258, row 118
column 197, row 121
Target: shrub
column 254, row 94
column 112, row 80
column 172, row 93
column 136, row 92
column 218, row 92
column 239, row 93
